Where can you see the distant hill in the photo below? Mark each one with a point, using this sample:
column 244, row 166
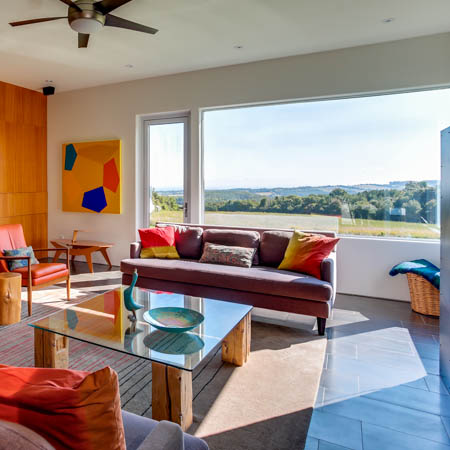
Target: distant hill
column 301, row 191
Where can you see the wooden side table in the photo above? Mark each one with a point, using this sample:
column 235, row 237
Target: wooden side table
column 84, row 248
column 10, row 298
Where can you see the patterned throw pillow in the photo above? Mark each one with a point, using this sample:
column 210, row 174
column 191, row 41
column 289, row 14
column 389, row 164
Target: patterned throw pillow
column 18, row 263
column 229, row 256
column 158, row 243
column 305, row 253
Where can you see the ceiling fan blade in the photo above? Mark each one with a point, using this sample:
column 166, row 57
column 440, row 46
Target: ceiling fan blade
column 29, row 22
column 72, row 4
column 118, row 22
column 83, row 40
column 106, row 6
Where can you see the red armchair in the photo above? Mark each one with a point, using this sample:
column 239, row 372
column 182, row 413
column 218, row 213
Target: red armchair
column 34, row 276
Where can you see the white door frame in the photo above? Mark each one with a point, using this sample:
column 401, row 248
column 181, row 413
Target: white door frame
column 158, row 120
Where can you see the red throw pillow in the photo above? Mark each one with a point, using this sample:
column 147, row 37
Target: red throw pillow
column 158, row 243
column 70, row 409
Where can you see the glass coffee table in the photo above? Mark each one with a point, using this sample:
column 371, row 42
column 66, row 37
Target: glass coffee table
column 103, row 320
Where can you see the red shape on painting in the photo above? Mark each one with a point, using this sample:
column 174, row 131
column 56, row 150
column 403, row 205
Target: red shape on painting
column 111, row 178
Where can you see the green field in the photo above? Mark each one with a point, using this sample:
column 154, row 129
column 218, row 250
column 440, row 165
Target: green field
column 310, row 222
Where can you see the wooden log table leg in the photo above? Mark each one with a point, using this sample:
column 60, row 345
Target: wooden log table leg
column 236, row 346
column 50, row 350
column 10, row 298
column 172, row 395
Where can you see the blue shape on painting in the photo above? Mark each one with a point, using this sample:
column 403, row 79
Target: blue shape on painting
column 71, row 157
column 95, row 200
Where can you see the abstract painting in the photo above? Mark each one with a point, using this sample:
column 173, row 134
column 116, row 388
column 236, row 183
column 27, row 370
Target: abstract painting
column 92, row 177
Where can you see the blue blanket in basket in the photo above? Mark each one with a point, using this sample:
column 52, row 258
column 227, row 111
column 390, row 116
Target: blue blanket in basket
column 420, row 267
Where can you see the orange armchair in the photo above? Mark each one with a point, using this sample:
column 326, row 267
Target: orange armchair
column 34, row 276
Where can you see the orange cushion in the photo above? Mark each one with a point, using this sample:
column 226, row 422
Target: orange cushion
column 70, row 409
column 47, row 279
column 305, row 253
column 11, row 237
column 42, row 269
column 158, row 243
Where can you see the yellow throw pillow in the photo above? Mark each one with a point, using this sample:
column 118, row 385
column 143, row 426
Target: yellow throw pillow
column 305, row 253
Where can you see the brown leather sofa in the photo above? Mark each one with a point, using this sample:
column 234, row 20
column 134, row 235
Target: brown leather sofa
column 262, row 285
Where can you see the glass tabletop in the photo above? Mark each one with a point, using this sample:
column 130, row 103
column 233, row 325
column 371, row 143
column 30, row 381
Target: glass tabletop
column 103, row 320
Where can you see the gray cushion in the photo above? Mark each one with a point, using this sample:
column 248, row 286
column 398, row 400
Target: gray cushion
column 165, row 436
column 17, row 437
column 188, row 241
column 265, row 280
column 227, row 255
column 235, row 238
column 273, row 247
column 137, row 428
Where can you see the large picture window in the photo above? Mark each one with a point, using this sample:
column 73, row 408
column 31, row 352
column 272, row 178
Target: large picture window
column 358, row 166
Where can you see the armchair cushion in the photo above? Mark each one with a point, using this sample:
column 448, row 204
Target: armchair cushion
column 11, row 236
column 43, row 273
column 17, row 263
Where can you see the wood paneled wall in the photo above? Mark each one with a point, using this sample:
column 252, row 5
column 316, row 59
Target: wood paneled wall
column 23, row 161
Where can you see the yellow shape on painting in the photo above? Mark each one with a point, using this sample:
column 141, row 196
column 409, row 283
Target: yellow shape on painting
column 86, row 180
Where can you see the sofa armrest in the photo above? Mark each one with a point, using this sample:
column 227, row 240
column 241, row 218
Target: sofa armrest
column 165, row 436
column 135, row 250
column 328, row 272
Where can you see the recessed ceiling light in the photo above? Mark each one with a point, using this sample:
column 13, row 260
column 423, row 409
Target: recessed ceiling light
column 129, row 66
column 238, row 47
column 49, row 81
column 388, row 20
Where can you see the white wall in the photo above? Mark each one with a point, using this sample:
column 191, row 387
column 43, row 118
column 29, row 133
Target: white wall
column 112, row 112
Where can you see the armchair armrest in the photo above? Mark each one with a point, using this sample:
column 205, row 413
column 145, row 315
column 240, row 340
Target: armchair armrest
column 135, row 250
column 165, row 436
column 50, row 249
column 15, row 258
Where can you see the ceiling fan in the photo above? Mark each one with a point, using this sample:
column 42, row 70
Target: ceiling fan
column 89, row 16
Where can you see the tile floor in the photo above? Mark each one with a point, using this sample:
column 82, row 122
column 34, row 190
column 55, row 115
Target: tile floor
column 380, row 387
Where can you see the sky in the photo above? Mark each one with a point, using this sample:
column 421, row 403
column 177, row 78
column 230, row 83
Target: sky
column 346, row 141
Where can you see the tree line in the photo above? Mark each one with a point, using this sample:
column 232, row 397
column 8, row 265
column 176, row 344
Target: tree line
column 417, row 202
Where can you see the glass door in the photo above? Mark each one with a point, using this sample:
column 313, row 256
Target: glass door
column 166, row 156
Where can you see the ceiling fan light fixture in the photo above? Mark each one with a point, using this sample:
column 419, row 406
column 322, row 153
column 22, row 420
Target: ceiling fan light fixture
column 86, row 26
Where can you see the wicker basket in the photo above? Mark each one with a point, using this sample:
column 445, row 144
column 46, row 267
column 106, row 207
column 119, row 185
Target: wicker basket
column 424, row 296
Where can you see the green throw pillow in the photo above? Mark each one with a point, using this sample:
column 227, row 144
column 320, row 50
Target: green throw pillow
column 18, row 263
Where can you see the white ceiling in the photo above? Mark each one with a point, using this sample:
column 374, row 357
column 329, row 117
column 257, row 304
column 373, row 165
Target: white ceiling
column 197, row 34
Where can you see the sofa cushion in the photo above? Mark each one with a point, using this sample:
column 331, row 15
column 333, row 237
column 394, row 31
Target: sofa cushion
column 64, row 406
column 17, row 437
column 227, row 255
column 158, row 243
column 235, row 238
column 264, row 280
column 273, row 247
column 306, row 252
column 188, row 241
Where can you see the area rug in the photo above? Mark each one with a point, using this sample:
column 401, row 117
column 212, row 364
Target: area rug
column 266, row 404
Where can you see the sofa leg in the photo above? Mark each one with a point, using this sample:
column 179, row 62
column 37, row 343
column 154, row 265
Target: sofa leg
column 321, row 322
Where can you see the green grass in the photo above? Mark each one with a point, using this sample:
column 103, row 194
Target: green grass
column 359, row 227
